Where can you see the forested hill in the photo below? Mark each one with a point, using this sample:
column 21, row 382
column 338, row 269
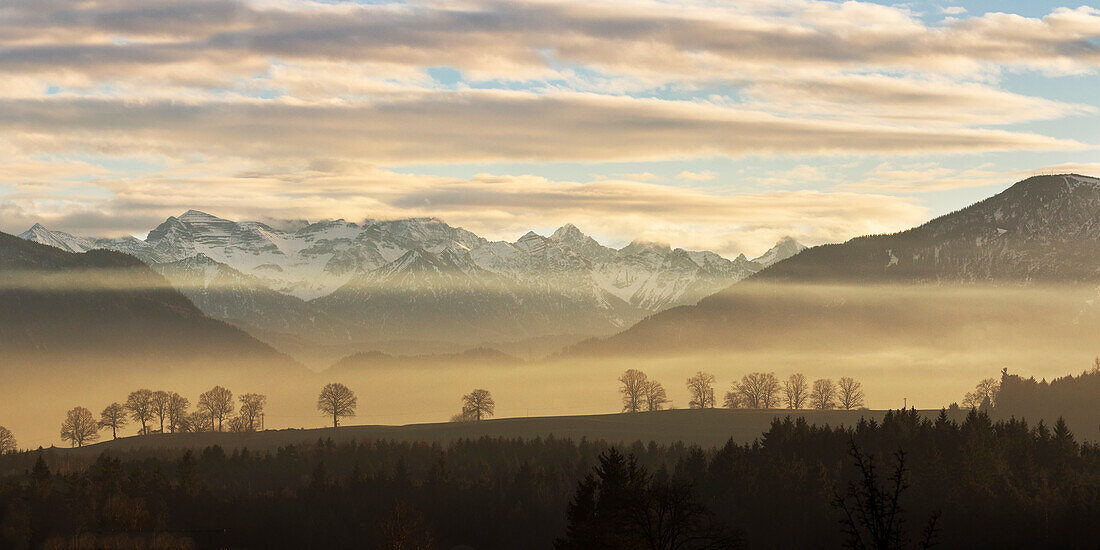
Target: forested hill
column 1074, row 398
column 1044, row 228
column 101, row 306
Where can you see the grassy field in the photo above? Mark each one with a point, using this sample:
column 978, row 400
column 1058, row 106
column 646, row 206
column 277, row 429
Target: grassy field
column 707, row 428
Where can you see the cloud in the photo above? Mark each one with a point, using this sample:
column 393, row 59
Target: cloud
column 914, row 99
column 498, row 38
column 287, row 107
column 688, row 175
column 470, row 126
column 927, row 177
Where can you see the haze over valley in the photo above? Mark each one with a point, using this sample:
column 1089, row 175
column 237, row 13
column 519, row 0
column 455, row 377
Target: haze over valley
column 549, row 274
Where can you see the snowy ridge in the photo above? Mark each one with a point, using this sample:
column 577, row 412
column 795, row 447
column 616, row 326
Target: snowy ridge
column 339, row 264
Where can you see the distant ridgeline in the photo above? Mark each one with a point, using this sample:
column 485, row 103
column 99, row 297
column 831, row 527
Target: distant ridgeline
column 1075, row 398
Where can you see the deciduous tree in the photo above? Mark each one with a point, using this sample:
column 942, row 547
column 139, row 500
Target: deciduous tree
column 177, row 410
column 113, row 417
column 337, row 401
column 217, row 404
column 701, row 389
column 140, row 405
column 633, row 389
column 823, row 394
column 478, row 404
column 987, row 389
column 252, row 406
column 733, row 397
column 849, row 393
column 759, row 390
column 159, row 406
column 655, row 396
column 796, row 389
column 79, row 427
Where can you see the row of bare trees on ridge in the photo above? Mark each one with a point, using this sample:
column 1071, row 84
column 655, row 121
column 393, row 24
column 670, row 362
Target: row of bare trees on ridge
column 214, row 413
column 757, row 390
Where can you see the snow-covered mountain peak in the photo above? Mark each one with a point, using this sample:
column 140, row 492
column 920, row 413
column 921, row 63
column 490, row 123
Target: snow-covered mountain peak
column 192, row 216
column 567, row 270
column 568, row 233
column 785, row 248
column 58, row 239
column 640, row 247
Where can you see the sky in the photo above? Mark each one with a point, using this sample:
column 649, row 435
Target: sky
column 706, row 124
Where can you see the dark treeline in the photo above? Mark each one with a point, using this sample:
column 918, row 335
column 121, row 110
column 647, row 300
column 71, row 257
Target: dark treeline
column 1076, row 398
column 990, row 484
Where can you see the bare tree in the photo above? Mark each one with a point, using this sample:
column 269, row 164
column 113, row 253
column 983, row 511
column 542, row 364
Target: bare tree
column 217, row 404
column 733, row 397
column 252, row 406
column 140, row 405
column 159, row 406
column 195, row 422
column 238, row 424
column 701, row 389
column 633, row 391
column 987, row 389
column 79, row 427
column 655, row 396
column 873, row 517
column 796, row 389
column 823, row 395
column 113, row 417
column 177, row 410
column 849, row 393
column 338, row 401
column 478, row 404
column 759, row 390
column 7, row 441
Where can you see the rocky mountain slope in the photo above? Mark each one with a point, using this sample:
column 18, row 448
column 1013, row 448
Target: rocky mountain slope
column 1042, row 229
column 1017, row 269
column 417, row 278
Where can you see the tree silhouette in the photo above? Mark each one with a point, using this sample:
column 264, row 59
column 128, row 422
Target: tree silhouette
column 849, row 393
column 733, row 398
column 758, row 390
column 79, row 427
column 177, row 410
column 252, row 406
column 217, row 404
column 634, row 383
column 478, row 404
column 619, row 506
column 701, row 389
column 873, row 517
column 823, row 394
column 7, row 441
column 796, row 389
column 113, row 417
column 140, row 405
column 655, row 396
column 338, row 401
column 159, row 406
column 986, row 390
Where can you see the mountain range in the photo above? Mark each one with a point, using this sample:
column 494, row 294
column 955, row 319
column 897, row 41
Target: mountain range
column 354, row 286
column 1021, row 266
